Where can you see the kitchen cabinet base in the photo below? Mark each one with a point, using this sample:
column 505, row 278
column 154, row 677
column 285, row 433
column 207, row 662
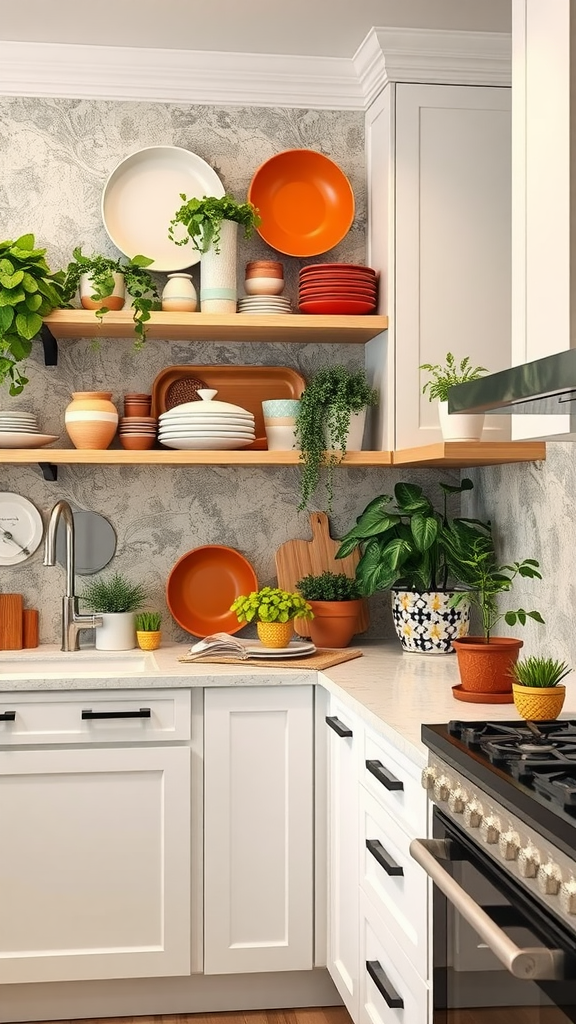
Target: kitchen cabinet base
column 151, row 996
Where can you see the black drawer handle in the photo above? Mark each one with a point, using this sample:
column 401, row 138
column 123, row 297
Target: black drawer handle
column 383, row 775
column 339, row 728
column 8, row 716
column 384, row 859
column 141, row 713
column 389, row 994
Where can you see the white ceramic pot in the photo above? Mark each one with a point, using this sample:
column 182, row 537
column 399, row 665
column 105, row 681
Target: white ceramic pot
column 117, row 632
column 460, row 426
column 218, row 288
column 355, row 433
column 114, row 301
column 179, row 294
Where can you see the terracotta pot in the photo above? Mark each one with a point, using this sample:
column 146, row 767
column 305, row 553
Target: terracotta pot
column 148, row 640
column 334, row 623
column 275, row 634
column 91, row 419
column 114, row 301
column 539, row 703
column 484, row 667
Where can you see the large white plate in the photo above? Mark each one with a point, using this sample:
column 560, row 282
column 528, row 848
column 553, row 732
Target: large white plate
column 295, row 650
column 214, row 444
column 186, row 417
column 22, row 519
column 205, row 430
column 142, row 195
column 15, row 440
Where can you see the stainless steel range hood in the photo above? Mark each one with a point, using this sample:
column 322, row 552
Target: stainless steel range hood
column 543, row 386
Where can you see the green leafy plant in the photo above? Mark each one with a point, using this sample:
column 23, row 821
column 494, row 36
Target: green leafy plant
column 444, row 377
column 202, row 220
column 323, row 422
column 404, row 541
column 329, row 586
column 137, row 279
column 539, row 672
column 148, row 622
column 115, row 593
column 271, row 604
column 28, row 291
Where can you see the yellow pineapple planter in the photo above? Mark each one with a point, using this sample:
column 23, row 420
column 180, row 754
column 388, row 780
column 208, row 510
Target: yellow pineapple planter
column 148, row 632
column 538, row 695
column 273, row 610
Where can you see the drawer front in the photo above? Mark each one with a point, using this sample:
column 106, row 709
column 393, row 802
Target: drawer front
column 95, row 716
column 390, row 990
column 394, row 782
column 395, row 883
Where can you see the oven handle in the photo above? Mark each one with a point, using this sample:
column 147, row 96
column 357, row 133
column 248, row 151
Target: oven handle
column 531, row 964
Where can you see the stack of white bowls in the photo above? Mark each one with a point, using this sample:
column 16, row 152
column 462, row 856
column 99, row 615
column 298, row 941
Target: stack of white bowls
column 20, row 430
column 264, row 304
column 206, row 425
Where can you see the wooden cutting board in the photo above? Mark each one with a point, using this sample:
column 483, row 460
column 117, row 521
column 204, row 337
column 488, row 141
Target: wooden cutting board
column 298, row 558
column 321, row 659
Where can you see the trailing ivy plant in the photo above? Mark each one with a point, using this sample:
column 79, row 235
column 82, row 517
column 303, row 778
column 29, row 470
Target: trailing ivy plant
column 202, row 220
column 28, row 291
column 138, row 282
column 330, row 398
column 445, row 377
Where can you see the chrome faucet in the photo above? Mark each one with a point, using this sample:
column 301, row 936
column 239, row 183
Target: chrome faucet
column 72, row 620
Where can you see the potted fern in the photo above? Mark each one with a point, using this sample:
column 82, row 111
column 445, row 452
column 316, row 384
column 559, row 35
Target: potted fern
column 336, row 601
column 458, row 426
column 116, row 598
column 273, row 610
column 537, row 687
column 148, row 632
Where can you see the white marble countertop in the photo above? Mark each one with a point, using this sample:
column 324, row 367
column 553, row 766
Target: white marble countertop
column 393, row 692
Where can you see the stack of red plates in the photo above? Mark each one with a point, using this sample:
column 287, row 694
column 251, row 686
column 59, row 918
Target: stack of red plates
column 337, row 288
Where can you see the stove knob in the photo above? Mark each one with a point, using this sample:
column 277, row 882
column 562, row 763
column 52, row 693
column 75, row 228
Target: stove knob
column 473, row 814
column 442, row 788
column 568, row 896
column 457, row 800
column 429, row 776
column 549, row 878
column 528, row 861
column 490, row 829
column 509, row 844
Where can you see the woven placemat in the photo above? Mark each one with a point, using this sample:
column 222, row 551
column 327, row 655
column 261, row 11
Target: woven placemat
column 321, row 659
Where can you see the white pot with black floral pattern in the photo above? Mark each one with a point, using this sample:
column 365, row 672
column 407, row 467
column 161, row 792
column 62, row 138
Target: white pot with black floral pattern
column 425, row 623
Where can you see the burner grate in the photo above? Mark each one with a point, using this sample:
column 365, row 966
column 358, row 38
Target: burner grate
column 560, row 788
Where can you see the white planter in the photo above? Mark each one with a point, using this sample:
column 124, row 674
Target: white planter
column 355, row 433
column 218, row 289
column 460, row 426
column 114, row 301
column 117, row 632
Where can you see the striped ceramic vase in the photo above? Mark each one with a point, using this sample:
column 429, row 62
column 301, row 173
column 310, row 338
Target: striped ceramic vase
column 91, row 419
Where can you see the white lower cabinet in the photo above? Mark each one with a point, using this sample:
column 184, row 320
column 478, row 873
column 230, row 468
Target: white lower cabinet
column 258, row 840
column 94, row 863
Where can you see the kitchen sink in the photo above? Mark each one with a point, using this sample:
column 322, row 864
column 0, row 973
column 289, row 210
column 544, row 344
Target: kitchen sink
column 39, row 662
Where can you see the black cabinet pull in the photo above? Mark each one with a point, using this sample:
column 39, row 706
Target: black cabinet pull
column 389, row 994
column 7, row 716
column 384, row 859
column 141, row 713
column 339, row 728
column 383, row 775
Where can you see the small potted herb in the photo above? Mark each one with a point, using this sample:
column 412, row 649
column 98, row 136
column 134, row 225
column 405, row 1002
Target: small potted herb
column 336, row 601
column 202, row 220
column 537, row 689
column 116, row 598
column 103, row 281
column 458, row 426
column 148, row 632
column 330, row 401
column 273, row 610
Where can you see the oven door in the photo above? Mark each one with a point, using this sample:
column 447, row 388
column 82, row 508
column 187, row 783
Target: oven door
column 499, row 957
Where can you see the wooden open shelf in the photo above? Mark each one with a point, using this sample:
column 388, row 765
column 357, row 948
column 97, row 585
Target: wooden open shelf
column 466, row 454
column 296, row 327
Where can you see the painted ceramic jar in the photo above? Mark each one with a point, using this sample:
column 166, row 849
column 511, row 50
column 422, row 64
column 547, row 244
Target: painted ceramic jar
column 179, row 294
column 91, row 419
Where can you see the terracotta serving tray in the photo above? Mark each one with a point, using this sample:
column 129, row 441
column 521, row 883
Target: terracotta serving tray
column 247, row 386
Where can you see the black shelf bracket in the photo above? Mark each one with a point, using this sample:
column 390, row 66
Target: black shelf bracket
column 50, row 346
column 49, row 471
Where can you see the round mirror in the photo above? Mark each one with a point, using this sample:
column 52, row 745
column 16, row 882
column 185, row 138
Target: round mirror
column 95, row 542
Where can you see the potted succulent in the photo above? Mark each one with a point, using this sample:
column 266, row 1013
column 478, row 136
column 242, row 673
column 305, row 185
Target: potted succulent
column 103, row 282
column 335, row 600
column 28, row 291
column 537, row 687
column 274, row 611
column 148, row 633
column 459, row 426
column 116, row 598
column 331, row 400
column 404, row 545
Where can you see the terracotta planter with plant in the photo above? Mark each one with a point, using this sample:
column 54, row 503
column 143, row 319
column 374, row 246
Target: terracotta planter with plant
column 336, row 602
column 458, row 426
column 273, row 610
column 116, row 598
column 537, row 688
column 148, row 633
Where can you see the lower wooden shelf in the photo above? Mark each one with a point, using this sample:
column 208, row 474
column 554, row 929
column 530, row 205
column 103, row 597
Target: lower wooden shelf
column 466, row 454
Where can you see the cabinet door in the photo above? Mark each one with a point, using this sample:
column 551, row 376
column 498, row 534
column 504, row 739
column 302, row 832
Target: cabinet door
column 343, row 828
column 95, row 864
column 258, row 793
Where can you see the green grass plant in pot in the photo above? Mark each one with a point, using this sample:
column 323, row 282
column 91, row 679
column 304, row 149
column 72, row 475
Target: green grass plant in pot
column 404, row 547
column 336, row 601
column 537, row 687
column 116, row 598
column 331, row 398
column 273, row 610
column 458, row 426
column 148, row 633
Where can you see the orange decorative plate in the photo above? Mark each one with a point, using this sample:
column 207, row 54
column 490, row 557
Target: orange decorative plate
column 305, row 201
column 202, row 586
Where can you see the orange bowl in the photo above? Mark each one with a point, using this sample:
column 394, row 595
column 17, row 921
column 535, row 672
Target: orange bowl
column 202, row 586
column 305, row 201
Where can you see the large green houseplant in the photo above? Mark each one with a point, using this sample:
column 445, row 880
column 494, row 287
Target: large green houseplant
column 28, row 291
column 202, row 219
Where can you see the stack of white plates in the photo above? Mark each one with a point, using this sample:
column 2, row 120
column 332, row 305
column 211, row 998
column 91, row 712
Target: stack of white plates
column 206, row 425
column 264, row 304
column 20, row 430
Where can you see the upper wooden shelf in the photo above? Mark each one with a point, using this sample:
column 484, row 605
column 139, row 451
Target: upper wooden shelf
column 466, row 454
column 82, row 323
